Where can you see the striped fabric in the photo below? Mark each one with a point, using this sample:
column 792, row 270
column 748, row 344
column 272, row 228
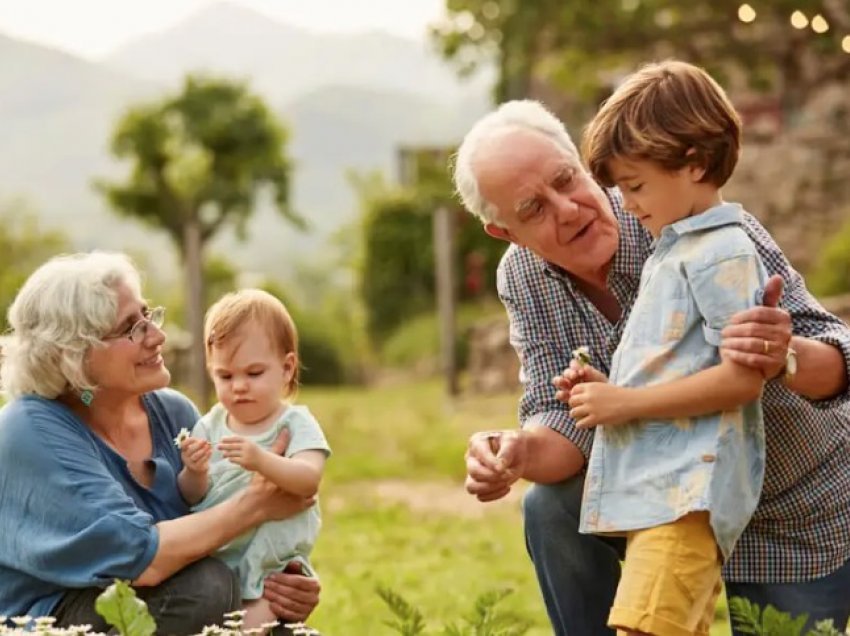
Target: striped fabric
column 801, row 529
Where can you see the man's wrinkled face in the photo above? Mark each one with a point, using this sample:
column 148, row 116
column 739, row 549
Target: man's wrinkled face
column 546, row 201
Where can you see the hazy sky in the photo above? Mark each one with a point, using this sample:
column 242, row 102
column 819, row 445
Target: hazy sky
column 93, row 28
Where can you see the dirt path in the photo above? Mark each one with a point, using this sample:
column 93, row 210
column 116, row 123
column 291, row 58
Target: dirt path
column 442, row 497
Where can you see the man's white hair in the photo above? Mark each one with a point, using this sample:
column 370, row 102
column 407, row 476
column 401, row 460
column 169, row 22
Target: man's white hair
column 63, row 309
column 523, row 114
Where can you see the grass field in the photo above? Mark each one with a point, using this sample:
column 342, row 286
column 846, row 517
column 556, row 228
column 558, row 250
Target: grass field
column 395, row 513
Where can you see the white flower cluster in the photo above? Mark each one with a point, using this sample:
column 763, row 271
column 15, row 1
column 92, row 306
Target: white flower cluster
column 42, row 625
column 232, row 627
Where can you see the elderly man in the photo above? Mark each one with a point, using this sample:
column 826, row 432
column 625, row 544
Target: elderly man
column 568, row 280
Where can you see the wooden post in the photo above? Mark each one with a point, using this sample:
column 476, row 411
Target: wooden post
column 445, row 276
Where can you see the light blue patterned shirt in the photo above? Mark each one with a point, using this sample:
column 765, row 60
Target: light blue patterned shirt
column 650, row 472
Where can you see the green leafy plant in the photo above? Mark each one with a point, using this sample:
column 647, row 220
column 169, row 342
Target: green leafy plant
column 120, row 607
column 483, row 620
column 749, row 618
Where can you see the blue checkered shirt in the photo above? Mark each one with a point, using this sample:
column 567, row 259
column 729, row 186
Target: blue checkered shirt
column 801, row 528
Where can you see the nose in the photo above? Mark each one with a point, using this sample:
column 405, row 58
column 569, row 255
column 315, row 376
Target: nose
column 154, row 336
column 566, row 210
column 239, row 385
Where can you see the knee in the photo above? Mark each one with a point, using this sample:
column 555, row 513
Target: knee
column 553, row 507
column 218, row 589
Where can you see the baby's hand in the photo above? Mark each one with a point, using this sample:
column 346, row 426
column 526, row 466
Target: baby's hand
column 196, row 454
column 241, row 451
column 577, row 373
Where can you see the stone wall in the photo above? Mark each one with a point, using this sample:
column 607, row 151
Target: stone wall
column 798, row 183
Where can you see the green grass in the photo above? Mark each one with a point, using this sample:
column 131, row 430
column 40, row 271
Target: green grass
column 429, row 541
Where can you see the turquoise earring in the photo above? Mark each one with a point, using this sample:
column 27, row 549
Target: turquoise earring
column 86, row 397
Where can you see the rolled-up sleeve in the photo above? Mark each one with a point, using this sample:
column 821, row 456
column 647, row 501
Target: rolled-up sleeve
column 542, row 356
column 809, row 319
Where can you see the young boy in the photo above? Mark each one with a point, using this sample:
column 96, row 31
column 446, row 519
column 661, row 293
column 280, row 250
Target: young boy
column 681, row 487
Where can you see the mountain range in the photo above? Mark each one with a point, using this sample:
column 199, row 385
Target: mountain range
column 349, row 101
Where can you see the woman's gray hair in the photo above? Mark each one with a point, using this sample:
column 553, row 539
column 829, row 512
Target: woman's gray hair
column 63, row 309
column 523, row 114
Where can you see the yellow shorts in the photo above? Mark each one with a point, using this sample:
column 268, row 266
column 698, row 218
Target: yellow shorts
column 670, row 581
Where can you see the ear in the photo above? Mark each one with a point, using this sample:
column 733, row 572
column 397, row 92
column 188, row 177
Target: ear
column 498, row 232
column 289, row 363
column 695, row 167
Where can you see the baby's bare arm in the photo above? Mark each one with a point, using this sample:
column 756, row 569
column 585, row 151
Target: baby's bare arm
column 298, row 475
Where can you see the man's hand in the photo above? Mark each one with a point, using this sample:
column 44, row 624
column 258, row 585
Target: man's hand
column 241, row 451
column 494, row 461
column 759, row 337
column 196, row 454
column 599, row 404
column 291, row 595
column 574, row 375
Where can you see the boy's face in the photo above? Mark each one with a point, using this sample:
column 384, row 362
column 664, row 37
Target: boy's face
column 249, row 375
column 658, row 197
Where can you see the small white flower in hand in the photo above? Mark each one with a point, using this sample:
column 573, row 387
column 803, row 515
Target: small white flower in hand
column 182, row 436
column 582, row 355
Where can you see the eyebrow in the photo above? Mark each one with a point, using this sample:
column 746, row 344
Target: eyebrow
column 526, row 203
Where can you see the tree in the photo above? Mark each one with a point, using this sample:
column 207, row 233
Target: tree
column 23, row 247
column 199, row 160
column 582, row 47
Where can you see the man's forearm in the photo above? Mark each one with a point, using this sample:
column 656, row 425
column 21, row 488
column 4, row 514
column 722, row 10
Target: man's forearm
column 821, row 370
column 551, row 456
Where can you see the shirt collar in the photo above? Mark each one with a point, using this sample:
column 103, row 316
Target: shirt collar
column 714, row 217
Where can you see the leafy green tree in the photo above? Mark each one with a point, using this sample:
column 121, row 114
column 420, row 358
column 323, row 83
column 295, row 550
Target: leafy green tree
column 582, row 47
column 199, row 160
column 24, row 245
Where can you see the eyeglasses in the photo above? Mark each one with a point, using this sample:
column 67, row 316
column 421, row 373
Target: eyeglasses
column 137, row 333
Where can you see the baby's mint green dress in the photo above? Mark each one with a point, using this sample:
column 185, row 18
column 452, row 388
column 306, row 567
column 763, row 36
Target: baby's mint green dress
column 270, row 547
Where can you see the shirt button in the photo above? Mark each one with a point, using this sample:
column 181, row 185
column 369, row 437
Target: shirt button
column 709, row 458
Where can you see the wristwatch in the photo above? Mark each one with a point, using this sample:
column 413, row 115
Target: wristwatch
column 790, row 370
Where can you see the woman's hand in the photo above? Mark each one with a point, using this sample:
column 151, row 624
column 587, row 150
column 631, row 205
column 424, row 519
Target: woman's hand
column 292, row 595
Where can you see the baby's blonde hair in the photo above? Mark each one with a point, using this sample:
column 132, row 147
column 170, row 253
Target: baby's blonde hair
column 239, row 308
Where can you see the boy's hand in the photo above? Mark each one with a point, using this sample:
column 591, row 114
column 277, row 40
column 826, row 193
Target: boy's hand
column 599, row 404
column 576, row 374
column 241, row 451
column 196, row 454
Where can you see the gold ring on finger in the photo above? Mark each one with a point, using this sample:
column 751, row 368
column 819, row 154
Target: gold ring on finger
column 766, row 347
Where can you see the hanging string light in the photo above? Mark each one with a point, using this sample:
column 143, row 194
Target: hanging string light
column 819, row 24
column 799, row 20
column 746, row 13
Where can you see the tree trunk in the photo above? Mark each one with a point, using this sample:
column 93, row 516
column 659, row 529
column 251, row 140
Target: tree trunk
column 193, row 262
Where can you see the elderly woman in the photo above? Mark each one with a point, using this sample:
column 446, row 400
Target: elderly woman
column 88, row 463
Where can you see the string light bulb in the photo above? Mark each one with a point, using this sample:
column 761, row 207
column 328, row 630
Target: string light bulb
column 799, row 20
column 819, row 24
column 746, row 13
